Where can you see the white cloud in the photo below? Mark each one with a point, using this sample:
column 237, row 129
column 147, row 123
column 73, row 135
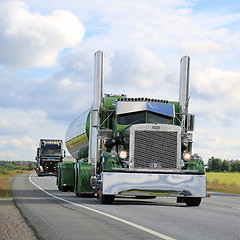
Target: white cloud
column 69, row 85
column 136, row 70
column 202, row 47
column 38, row 115
column 220, row 88
column 8, row 127
column 23, row 146
column 34, row 40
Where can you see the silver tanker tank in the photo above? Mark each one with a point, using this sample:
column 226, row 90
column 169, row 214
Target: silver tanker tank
column 77, row 135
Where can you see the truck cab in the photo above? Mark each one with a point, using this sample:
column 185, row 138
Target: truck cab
column 49, row 154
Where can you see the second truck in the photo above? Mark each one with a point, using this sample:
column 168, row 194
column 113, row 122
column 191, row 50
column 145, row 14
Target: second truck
column 49, row 154
column 139, row 147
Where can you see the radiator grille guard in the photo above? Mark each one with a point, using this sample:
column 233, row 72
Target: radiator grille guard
column 155, row 147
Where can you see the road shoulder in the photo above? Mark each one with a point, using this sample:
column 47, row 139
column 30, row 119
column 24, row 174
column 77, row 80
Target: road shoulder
column 12, row 224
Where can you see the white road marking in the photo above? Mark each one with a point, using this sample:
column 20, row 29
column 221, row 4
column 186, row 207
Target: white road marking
column 157, row 234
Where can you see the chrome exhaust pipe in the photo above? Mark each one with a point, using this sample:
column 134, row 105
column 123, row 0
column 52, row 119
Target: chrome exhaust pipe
column 184, row 88
column 95, row 118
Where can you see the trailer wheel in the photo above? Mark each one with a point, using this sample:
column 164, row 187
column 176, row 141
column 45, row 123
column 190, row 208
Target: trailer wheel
column 76, row 188
column 106, row 199
column 60, row 183
column 87, row 195
column 193, row 201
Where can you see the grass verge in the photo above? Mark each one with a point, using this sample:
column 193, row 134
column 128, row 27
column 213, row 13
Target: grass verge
column 223, row 182
column 6, row 178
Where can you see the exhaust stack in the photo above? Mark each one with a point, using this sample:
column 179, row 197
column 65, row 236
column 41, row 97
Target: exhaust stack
column 94, row 121
column 184, row 88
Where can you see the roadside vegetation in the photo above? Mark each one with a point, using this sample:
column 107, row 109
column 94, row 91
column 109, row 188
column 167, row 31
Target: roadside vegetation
column 223, row 175
column 228, row 182
column 8, row 170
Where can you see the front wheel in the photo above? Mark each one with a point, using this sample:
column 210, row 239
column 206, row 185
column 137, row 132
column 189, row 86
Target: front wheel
column 107, row 199
column 193, row 201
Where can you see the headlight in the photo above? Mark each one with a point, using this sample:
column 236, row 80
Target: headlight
column 187, row 156
column 123, row 154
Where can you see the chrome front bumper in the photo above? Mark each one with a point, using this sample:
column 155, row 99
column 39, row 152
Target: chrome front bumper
column 156, row 184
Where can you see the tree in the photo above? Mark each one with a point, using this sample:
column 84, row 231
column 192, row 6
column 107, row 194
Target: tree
column 235, row 166
column 225, row 166
column 214, row 164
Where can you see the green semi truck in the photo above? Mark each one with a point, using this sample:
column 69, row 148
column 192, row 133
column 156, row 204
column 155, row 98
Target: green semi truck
column 139, row 147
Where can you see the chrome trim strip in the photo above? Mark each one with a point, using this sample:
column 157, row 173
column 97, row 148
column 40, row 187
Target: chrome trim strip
column 156, row 170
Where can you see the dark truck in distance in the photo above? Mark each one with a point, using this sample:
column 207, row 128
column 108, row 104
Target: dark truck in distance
column 49, row 154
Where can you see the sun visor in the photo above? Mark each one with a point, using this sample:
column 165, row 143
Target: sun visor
column 160, row 108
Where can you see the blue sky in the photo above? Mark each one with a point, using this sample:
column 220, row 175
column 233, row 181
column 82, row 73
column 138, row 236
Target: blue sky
column 46, row 65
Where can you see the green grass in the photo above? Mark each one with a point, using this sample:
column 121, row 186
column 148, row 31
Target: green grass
column 6, row 178
column 223, row 182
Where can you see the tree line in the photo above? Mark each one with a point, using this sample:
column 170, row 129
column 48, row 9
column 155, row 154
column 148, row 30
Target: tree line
column 219, row 165
column 16, row 165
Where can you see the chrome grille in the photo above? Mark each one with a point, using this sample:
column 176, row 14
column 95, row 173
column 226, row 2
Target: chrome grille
column 155, row 149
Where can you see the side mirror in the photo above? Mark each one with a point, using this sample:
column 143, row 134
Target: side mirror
column 38, row 152
column 190, row 122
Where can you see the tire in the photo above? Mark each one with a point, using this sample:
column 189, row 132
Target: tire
column 107, row 199
column 64, row 189
column 87, row 195
column 193, row 201
column 60, row 184
column 76, row 187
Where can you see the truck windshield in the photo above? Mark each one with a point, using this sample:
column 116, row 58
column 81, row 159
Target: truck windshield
column 143, row 117
column 51, row 152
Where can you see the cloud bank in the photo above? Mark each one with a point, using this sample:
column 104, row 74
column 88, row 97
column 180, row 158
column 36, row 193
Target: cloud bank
column 33, row 40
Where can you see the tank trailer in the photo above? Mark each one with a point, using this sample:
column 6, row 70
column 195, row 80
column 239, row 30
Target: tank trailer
column 139, row 147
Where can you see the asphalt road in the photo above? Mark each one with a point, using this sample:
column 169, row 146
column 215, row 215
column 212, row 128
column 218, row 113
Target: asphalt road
column 61, row 215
